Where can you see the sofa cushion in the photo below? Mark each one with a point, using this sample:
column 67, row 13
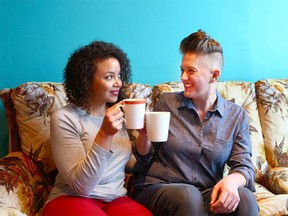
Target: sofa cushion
column 269, row 203
column 33, row 104
column 136, row 90
column 159, row 89
column 272, row 98
column 22, row 185
column 242, row 93
column 11, row 212
column 278, row 180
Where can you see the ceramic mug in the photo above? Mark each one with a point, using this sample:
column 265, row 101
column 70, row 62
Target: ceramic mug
column 157, row 126
column 134, row 113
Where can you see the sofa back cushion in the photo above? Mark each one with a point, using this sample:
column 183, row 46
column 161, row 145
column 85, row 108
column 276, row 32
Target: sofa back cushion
column 137, row 90
column 272, row 98
column 242, row 93
column 33, row 104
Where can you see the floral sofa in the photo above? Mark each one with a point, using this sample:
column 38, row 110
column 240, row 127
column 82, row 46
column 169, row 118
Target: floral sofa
column 27, row 172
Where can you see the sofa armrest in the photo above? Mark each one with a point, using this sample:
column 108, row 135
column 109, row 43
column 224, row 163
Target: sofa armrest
column 278, row 180
column 13, row 135
column 23, row 185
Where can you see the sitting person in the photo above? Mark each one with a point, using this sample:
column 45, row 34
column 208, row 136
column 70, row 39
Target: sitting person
column 184, row 175
column 90, row 147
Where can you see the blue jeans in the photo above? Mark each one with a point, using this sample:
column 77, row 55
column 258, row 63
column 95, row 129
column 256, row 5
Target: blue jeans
column 186, row 200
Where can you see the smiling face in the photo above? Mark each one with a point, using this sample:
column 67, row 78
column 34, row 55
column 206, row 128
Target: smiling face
column 106, row 82
column 198, row 74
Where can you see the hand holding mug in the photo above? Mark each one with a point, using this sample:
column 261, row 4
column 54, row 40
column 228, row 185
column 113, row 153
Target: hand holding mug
column 113, row 120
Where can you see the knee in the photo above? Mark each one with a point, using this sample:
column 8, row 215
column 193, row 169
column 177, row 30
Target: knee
column 186, row 196
column 247, row 196
column 248, row 202
column 177, row 199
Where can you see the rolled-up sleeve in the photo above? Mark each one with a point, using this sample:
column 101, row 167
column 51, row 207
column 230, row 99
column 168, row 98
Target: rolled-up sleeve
column 143, row 160
column 240, row 160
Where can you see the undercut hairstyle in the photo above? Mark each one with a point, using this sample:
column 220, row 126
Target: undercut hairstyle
column 201, row 43
column 81, row 66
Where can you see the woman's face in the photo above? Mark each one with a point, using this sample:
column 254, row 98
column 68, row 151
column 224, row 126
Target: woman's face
column 106, row 82
column 195, row 75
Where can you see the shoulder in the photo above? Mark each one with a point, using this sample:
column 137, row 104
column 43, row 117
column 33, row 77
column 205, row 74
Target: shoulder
column 235, row 108
column 68, row 115
column 68, row 110
column 231, row 110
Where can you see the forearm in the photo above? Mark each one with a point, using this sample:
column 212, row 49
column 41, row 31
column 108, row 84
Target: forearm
column 81, row 170
column 143, row 145
column 240, row 160
column 89, row 171
column 238, row 179
column 103, row 140
column 242, row 164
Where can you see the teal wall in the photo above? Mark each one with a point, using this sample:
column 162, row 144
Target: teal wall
column 37, row 37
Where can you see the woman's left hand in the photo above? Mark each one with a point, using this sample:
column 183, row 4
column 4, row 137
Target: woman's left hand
column 225, row 197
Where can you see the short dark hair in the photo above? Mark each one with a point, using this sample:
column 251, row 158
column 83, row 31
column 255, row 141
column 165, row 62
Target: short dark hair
column 81, row 66
column 200, row 42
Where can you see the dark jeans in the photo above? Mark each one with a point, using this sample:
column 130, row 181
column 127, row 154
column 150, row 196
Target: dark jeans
column 186, row 200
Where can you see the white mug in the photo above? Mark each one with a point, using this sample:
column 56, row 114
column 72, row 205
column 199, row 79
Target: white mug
column 157, row 126
column 134, row 112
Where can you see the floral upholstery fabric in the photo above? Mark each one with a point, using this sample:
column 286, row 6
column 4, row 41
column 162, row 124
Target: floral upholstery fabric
column 269, row 203
column 27, row 175
column 14, row 140
column 23, row 186
column 5, row 211
column 33, row 104
column 272, row 100
column 135, row 90
column 159, row 89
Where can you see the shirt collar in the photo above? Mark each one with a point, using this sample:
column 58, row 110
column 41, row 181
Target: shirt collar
column 220, row 103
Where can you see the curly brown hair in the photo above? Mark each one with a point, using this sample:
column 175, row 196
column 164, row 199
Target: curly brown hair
column 81, row 66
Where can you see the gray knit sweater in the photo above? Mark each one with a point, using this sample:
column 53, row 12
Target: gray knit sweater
column 84, row 168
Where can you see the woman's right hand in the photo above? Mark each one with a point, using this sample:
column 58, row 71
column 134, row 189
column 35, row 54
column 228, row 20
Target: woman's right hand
column 112, row 124
column 113, row 120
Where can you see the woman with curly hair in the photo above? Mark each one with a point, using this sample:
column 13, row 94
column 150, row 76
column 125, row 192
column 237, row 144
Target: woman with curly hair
column 89, row 145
